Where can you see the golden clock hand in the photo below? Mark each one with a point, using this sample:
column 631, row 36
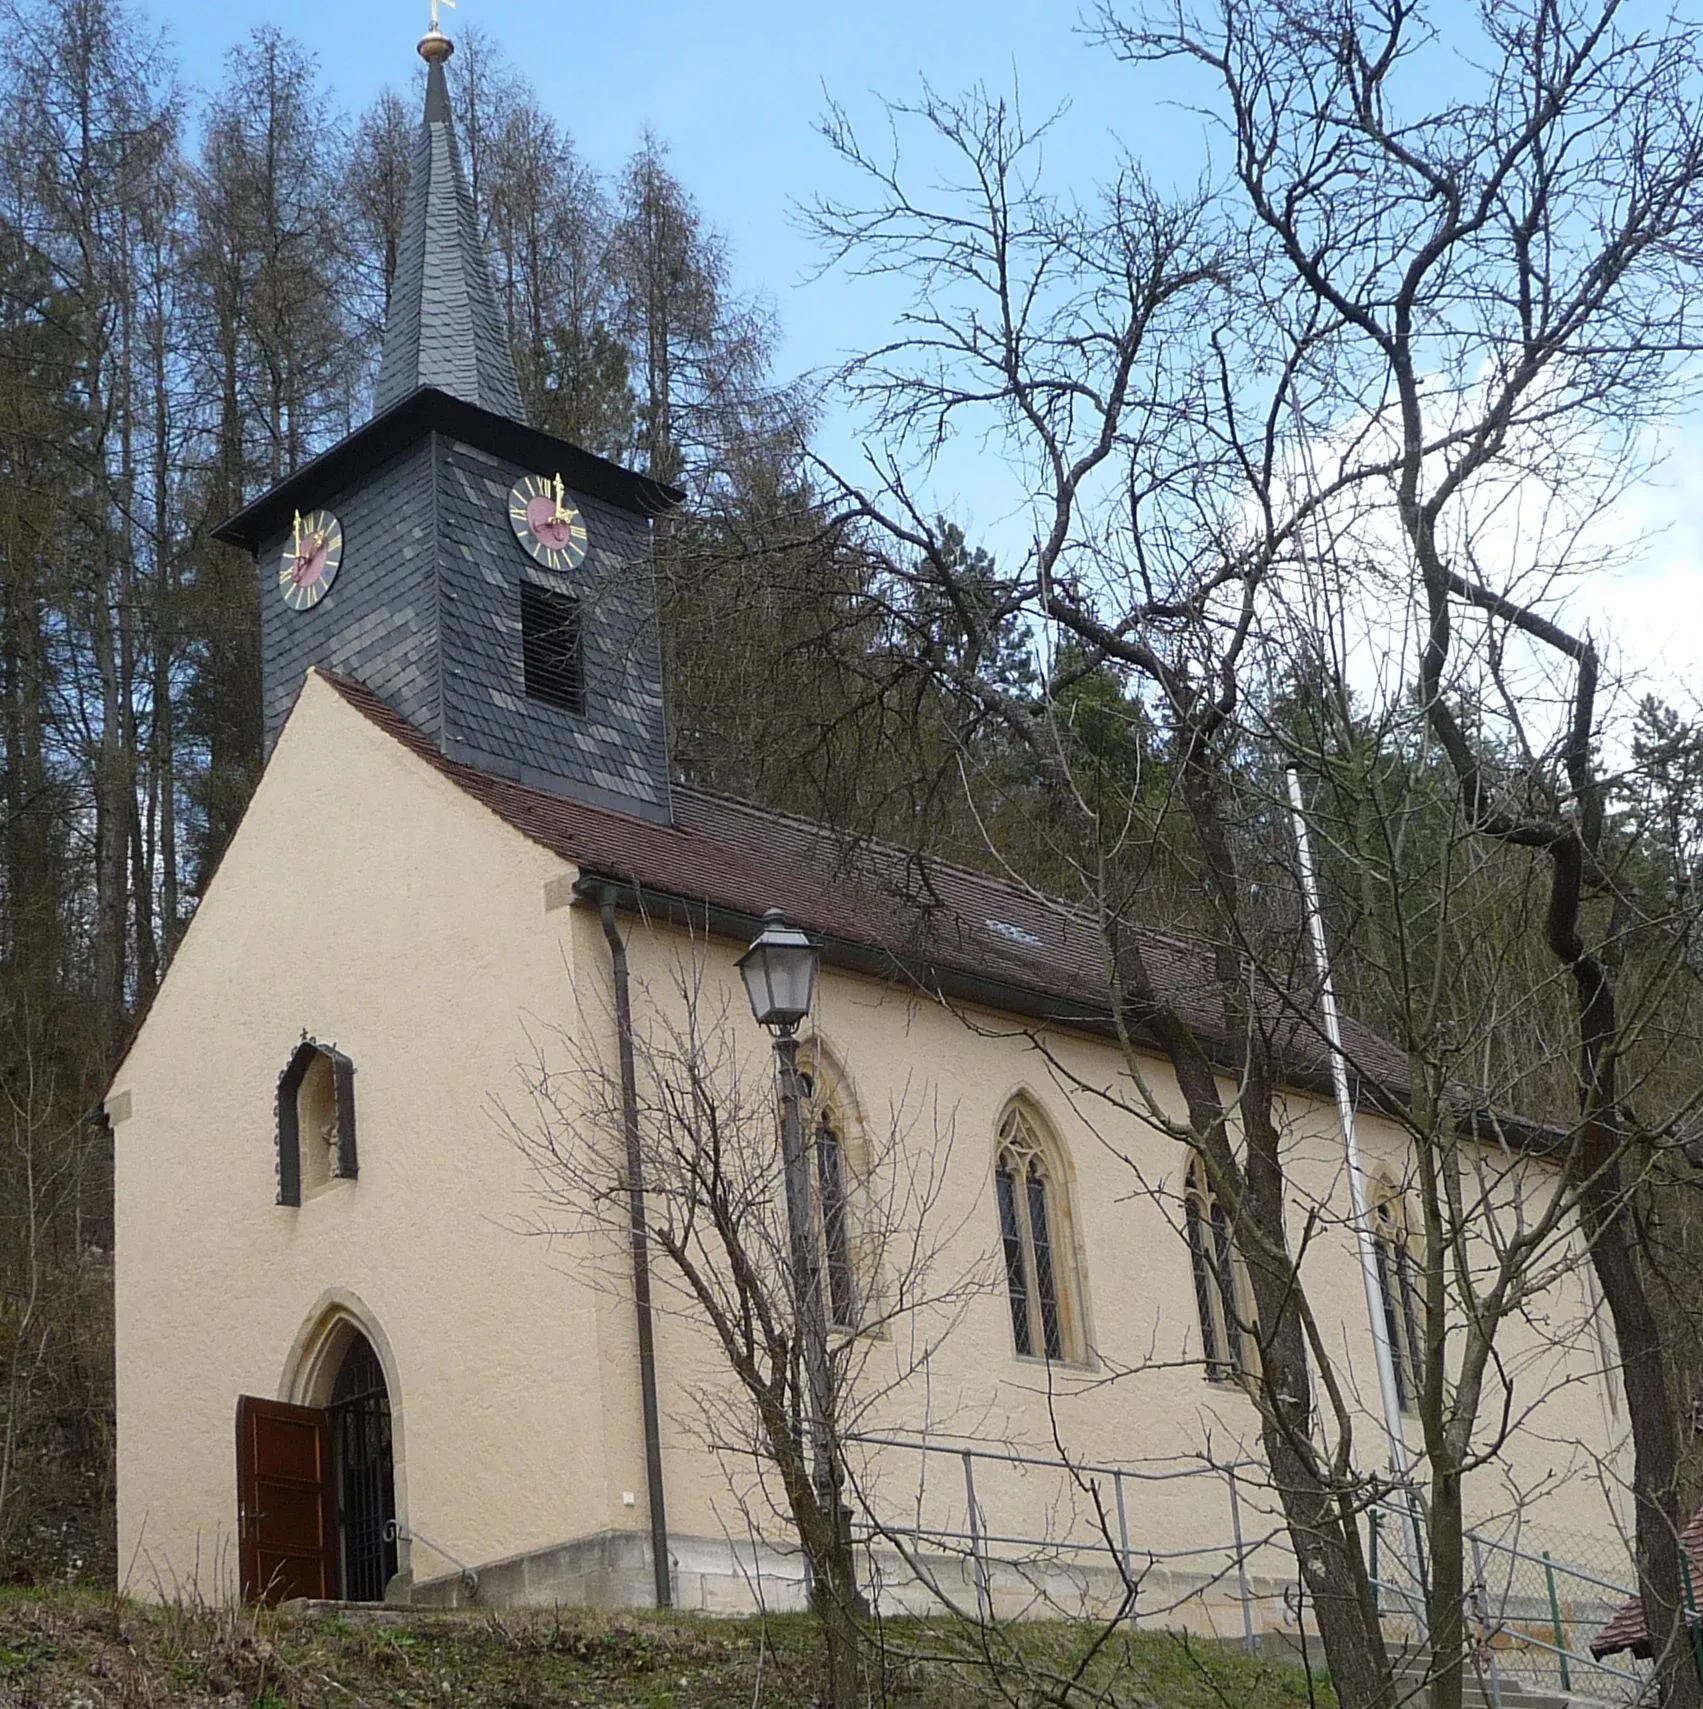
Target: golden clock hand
column 561, row 508
column 296, row 544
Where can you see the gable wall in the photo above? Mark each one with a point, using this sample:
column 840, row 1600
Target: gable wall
column 368, row 901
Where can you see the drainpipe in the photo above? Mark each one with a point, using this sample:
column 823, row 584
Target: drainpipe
column 605, row 898
column 1365, row 1237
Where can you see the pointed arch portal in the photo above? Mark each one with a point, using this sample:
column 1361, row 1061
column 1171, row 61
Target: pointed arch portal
column 365, row 1468
column 316, row 1485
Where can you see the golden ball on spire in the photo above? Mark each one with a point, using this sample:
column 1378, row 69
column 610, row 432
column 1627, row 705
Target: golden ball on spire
column 434, row 46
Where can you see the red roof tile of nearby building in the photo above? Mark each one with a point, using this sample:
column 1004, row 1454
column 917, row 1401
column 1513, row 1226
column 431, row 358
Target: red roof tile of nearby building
column 934, row 923
column 1627, row 1630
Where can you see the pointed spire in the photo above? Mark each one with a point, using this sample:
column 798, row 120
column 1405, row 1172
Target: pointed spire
column 444, row 328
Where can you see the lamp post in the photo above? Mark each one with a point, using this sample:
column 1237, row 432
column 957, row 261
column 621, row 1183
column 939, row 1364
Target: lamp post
column 779, row 970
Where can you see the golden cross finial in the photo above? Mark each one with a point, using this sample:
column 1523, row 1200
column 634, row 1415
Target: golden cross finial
column 435, row 4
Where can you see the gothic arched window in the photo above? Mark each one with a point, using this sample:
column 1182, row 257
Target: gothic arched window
column 1222, row 1297
column 836, row 1174
column 1404, row 1313
column 1034, row 1234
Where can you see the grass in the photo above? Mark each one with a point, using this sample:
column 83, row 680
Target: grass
column 79, row 1649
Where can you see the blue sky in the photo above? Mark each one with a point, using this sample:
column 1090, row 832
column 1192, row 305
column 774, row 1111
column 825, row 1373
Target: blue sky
column 737, row 91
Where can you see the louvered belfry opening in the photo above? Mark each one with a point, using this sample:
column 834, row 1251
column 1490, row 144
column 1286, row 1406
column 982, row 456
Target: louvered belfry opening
column 552, row 630
column 366, row 1473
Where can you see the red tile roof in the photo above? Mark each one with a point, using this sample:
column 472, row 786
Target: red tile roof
column 943, row 926
column 1627, row 1630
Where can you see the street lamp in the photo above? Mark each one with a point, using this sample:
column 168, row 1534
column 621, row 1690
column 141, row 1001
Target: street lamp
column 779, row 970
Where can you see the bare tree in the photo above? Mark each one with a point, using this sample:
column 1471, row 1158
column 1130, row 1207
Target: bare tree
column 377, row 188
column 1205, row 398
column 91, row 123
column 1083, row 303
column 269, row 303
column 687, row 1161
column 1509, row 307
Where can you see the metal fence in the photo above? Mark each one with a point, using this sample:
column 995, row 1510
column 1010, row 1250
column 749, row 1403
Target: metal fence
column 1539, row 1612
column 1531, row 1610
column 1002, row 1534
column 1005, row 1534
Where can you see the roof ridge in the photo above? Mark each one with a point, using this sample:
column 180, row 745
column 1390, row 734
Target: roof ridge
column 357, row 692
column 710, row 868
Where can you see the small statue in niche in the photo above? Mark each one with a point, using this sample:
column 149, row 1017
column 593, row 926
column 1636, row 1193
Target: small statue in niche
column 316, row 1088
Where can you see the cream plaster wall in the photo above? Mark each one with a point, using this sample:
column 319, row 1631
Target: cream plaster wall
column 943, row 1080
column 369, row 901
column 372, row 903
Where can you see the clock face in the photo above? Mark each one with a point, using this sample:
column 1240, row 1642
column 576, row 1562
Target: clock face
column 546, row 524
column 308, row 564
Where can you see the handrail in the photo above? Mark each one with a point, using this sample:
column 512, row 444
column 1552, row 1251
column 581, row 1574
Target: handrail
column 1404, row 1591
column 1055, row 1544
column 1527, row 1640
column 394, row 1528
column 1193, row 1466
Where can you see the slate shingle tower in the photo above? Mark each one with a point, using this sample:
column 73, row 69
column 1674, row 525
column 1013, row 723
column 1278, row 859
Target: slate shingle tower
column 526, row 661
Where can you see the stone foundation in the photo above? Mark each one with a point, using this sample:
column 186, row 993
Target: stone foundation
column 612, row 1569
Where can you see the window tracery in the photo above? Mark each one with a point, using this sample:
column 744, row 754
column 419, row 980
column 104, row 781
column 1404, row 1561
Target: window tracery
column 1404, row 1313
column 1223, row 1299
column 1035, row 1242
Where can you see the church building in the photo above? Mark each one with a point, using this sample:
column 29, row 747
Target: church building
column 350, row 1367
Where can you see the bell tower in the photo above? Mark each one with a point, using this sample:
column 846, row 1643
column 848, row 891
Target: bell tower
column 491, row 583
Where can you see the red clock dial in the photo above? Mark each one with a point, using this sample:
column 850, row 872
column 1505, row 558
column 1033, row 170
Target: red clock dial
column 312, row 556
column 546, row 523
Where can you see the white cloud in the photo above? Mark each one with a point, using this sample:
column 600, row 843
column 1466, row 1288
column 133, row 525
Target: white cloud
column 1651, row 611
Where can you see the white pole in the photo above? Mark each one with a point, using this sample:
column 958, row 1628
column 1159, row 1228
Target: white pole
column 1363, row 1235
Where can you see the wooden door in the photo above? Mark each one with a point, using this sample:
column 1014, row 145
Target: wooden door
column 286, row 1501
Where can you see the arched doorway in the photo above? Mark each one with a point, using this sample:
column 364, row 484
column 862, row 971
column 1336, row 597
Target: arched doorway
column 316, row 1482
column 365, row 1473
